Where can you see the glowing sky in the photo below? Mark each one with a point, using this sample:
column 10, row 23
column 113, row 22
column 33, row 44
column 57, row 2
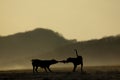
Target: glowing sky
column 79, row 19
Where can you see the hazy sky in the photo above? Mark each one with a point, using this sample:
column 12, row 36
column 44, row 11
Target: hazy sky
column 79, row 19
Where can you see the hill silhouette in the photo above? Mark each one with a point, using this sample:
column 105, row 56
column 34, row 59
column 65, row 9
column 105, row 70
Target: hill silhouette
column 27, row 45
column 97, row 52
column 17, row 50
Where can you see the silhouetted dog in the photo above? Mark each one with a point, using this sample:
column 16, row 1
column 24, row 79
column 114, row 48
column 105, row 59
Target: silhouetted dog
column 76, row 61
column 43, row 64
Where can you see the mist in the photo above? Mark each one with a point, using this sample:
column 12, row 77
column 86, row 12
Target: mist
column 19, row 49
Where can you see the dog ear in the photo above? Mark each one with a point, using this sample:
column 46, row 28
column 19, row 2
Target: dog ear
column 54, row 60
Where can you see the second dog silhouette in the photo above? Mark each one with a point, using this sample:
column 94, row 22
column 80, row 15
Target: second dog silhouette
column 76, row 61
